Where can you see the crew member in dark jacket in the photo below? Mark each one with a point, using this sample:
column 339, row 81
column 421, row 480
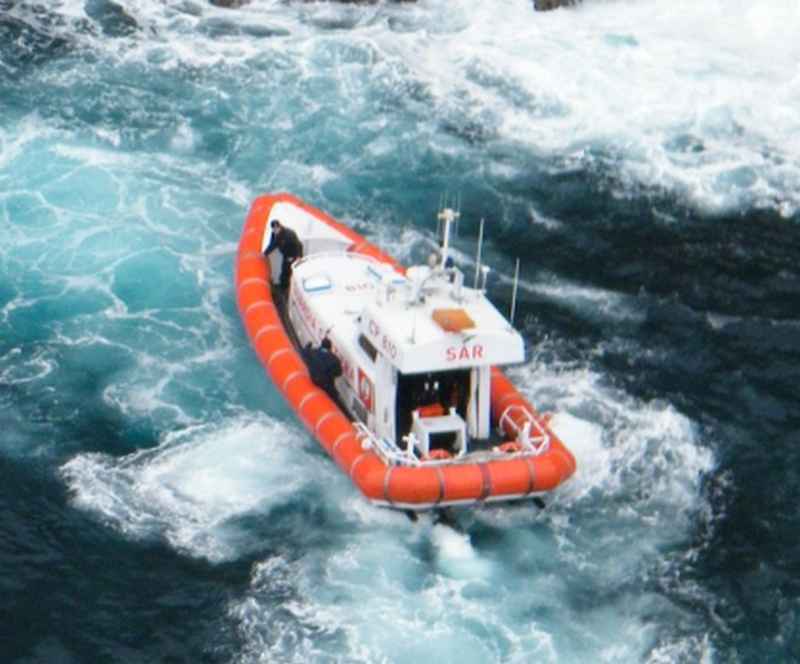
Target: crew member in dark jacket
column 323, row 366
column 290, row 246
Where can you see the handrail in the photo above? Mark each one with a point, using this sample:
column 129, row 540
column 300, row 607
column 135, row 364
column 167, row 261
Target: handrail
column 393, row 455
column 389, row 453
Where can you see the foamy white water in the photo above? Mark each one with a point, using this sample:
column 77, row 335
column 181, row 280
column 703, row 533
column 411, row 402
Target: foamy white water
column 699, row 99
column 199, row 486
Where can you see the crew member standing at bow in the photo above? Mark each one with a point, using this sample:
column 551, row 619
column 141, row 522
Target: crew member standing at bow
column 291, row 248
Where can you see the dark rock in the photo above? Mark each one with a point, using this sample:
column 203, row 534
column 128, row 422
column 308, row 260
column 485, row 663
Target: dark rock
column 229, row 4
column 546, row 5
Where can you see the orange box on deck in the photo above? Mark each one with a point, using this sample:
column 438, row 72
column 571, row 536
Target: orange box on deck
column 452, row 320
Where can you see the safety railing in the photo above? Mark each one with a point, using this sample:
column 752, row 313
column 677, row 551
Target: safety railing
column 394, row 455
column 388, row 452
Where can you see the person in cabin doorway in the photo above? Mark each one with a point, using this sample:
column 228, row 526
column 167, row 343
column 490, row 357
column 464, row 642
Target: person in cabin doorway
column 291, row 249
column 323, row 365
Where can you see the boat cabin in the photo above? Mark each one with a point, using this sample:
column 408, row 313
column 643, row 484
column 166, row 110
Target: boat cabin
column 416, row 347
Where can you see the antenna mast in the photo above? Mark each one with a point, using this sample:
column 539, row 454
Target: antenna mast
column 447, row 216
column 514, row 293
column 478, row 257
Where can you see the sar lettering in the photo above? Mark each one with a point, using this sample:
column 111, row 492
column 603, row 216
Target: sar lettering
column 460, row 353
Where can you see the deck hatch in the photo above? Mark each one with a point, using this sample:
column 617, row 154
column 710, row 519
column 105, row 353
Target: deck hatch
column 452, row 320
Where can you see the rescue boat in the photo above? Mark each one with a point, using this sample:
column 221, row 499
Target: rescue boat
column 422, row 416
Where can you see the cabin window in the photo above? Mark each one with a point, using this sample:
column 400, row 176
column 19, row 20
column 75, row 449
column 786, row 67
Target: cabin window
column 367, row 347
column 316, row 283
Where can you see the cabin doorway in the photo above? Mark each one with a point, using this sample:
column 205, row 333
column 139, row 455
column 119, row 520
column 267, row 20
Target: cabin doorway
column 434, row 393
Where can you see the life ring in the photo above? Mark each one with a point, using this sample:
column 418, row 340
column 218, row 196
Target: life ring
column 511, row 447
column 437, row 455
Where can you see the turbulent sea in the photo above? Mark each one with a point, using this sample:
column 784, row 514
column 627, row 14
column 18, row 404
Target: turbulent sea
column 160, row 502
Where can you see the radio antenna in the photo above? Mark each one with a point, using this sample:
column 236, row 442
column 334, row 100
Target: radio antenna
column 442, row 206
column 514, row 293
column 448, row 217
column 478, row 257
column 458, row 213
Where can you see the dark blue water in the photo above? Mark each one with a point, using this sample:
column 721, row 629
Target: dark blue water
column 160, row 503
